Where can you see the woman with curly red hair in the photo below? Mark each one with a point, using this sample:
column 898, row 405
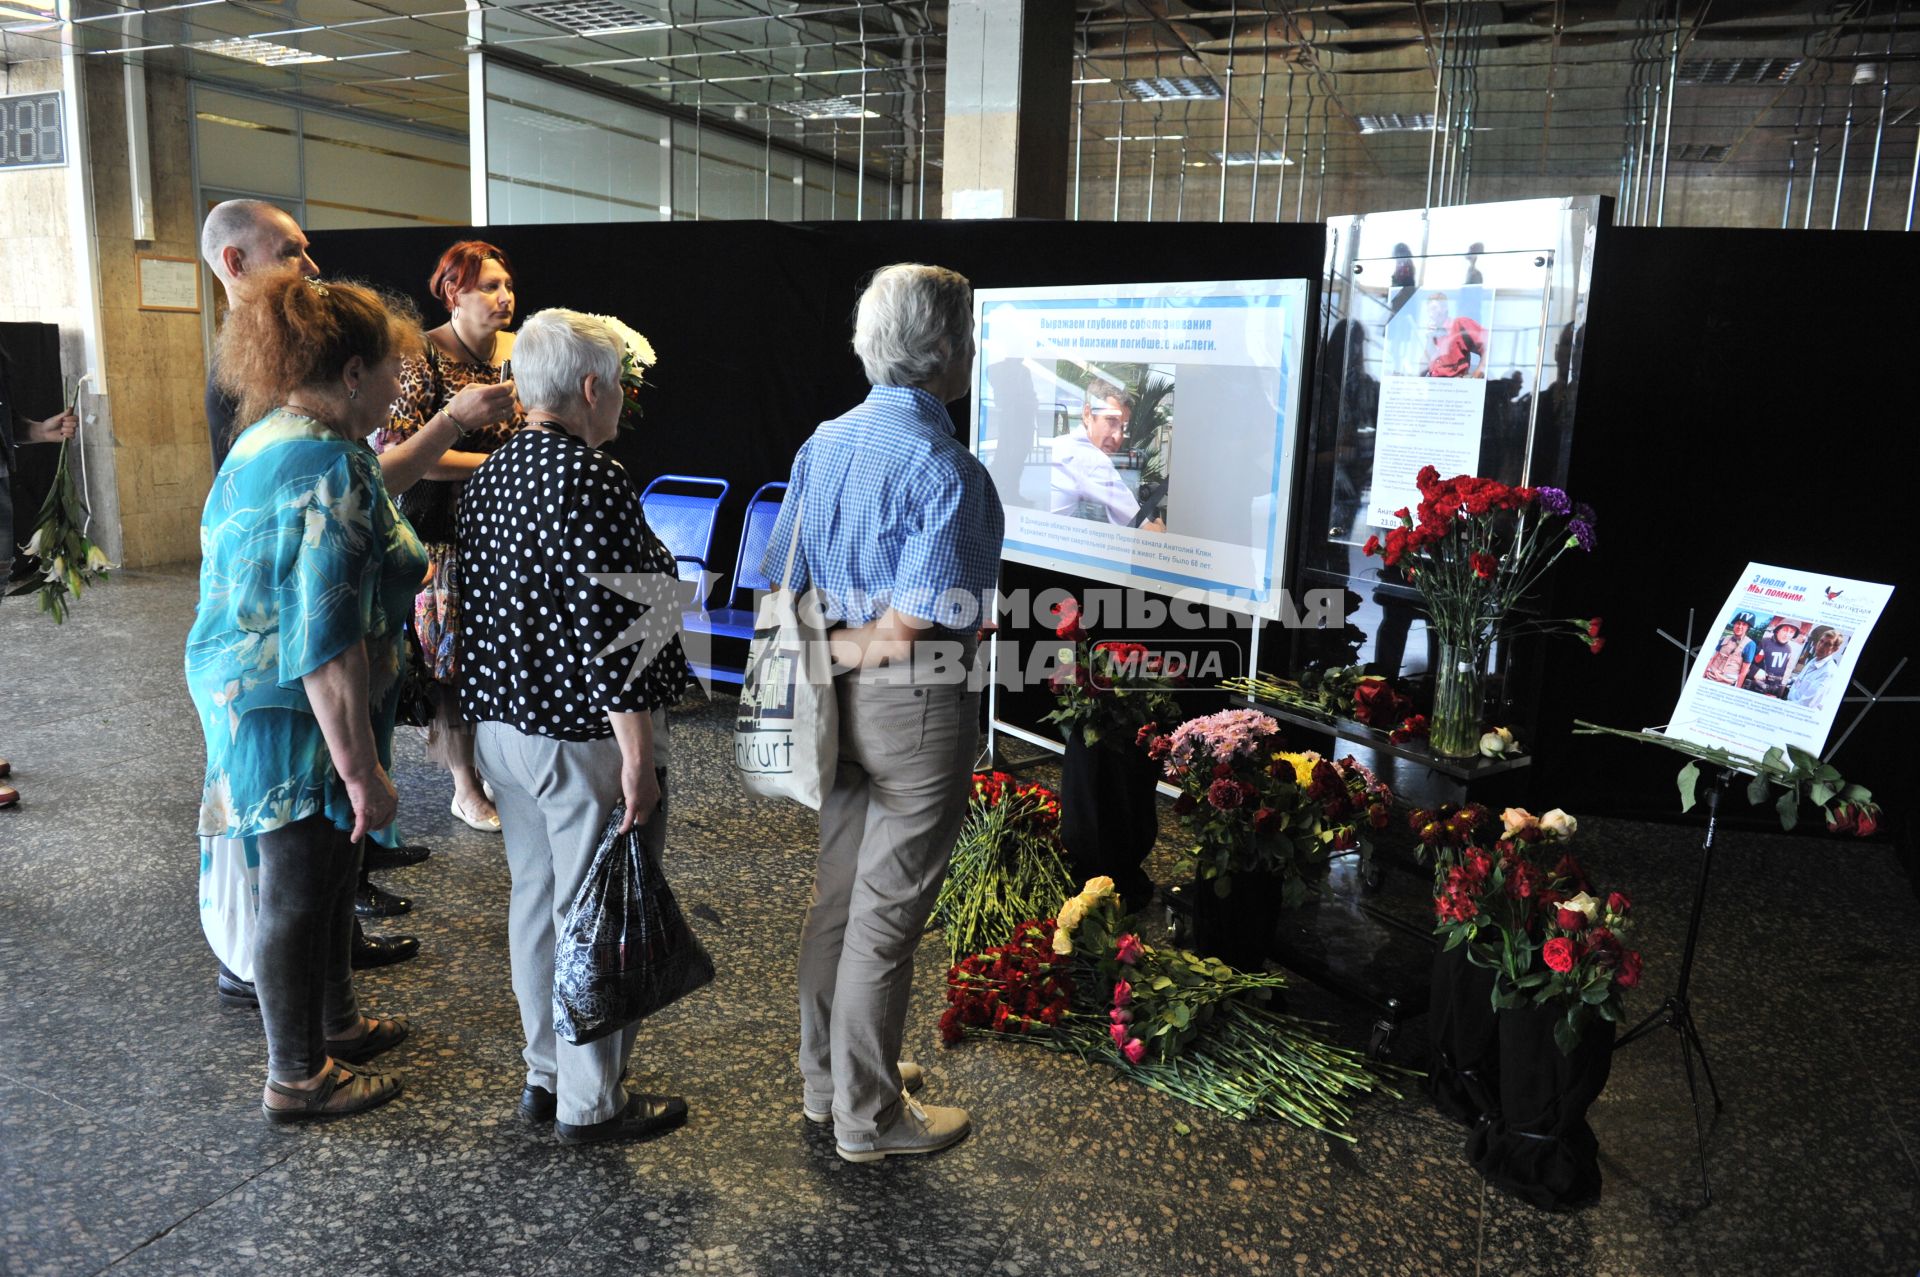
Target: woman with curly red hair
column 307, row 578
column 474, row 280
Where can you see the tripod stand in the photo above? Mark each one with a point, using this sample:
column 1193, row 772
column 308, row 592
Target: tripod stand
column 1676, row 1012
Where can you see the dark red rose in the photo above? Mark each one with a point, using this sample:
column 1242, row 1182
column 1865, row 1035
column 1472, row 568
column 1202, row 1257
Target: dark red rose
column 1570, row 869
column 1842, row 818
column 1144, row 737
column 1378, row 815
column 1346, row 839
column 1593, row 628
column 1375, row 703
column 1570, row 919
column 1225, row 795
column 1617, row 902
column 1594, row 645
column 1222, row 770
column 1558, row 953
column 1628, row 974
column 1265, row 820
column 1183, row 804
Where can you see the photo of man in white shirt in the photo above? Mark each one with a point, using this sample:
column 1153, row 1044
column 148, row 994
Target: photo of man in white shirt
column 1086, row 482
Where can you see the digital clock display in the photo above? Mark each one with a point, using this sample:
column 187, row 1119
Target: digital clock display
column 32, row 131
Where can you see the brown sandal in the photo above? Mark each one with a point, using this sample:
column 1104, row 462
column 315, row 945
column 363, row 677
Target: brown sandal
column 8, row 796
column 383, row 1036
column 361, row 1091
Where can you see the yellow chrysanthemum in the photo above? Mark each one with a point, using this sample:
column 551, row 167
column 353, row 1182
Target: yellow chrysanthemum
column 1303, row 764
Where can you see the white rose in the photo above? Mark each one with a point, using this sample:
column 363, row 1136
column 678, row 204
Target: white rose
column 1557, row 824
column 1491, row 745
column 1584, row 903
column 1070, row 915
column 1097, row 889
column 1063, row 942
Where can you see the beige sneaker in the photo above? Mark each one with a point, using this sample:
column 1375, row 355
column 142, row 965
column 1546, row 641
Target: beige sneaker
column 912, row 1078
column 920, row 1129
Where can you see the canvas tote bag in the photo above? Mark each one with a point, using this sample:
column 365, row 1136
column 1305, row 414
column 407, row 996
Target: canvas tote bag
column 786, row 740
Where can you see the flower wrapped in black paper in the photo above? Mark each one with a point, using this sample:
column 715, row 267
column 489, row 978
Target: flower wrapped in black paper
column 626, row 950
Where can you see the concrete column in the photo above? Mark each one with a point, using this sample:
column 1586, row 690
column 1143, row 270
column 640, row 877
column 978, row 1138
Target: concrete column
column 1009, row 72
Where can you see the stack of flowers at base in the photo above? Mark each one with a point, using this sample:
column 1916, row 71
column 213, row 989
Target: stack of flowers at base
column 1344, row 691
column 1007, row 865
column 1175, row 1022
column 1243, row 801
column 1526, row 909
column 1524, row 912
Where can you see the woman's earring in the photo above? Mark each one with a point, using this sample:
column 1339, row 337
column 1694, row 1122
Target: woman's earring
column 353, row 392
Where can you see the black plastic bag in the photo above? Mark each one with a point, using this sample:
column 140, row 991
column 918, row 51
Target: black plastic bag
column 626, row 950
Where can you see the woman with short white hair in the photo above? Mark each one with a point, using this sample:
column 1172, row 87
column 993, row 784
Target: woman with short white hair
column 567, row 725
column 899, row 531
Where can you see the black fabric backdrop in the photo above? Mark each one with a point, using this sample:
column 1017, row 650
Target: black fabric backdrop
column 32, row 354
column 1744, row 396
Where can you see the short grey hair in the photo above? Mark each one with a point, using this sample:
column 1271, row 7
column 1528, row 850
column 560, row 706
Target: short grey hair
column 232, row 223
column 913, row 322
column 558, row 349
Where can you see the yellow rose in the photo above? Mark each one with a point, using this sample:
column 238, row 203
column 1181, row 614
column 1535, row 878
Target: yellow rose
column 1097, row 889
column 1070, row 915
column 1063, row 942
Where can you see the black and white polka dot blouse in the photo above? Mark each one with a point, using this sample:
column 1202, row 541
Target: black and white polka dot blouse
column 541, row 515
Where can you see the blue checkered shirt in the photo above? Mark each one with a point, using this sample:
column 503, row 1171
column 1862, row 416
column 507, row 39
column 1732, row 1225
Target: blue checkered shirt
column 895, row 513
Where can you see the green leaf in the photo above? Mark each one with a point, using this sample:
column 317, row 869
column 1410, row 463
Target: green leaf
column 1802, row 760
column 1161, row 982
column 1180, row 1015
column 1821, row 793
column 1857, row 794
column 1689, row 781
column 1757, row 790
column 1453, row 940
column 1595, row 994
column 1565, row 1036
column 1774, row 758
column 1610, row 1011
column 1788, row 809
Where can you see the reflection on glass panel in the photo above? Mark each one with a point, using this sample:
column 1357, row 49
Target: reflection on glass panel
column 246, row 144
column 1451, row 338
column 785, row 194
column 573, row 156
column 360, row 174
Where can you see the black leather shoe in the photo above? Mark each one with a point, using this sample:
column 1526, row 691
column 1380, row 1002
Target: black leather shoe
column 369, row 901
column 644, row 1115
column 235, row 992
column 379, row 857
column 538, row 1104
column 382, row 951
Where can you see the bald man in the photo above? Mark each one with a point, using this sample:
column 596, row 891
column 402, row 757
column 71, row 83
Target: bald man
column 242, row 242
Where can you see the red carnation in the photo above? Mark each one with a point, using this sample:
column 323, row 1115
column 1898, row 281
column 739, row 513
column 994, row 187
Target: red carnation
column 1558, row 953
column 1483, row 565
column 1594, row 645
column 1593, row 628
column 1225, row 795
column 1372, row 547
column 1067, row 614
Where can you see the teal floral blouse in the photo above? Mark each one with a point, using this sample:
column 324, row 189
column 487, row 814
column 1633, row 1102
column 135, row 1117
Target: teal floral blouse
column 302, row 555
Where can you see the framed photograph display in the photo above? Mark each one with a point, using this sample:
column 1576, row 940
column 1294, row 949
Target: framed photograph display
column 1144, row 434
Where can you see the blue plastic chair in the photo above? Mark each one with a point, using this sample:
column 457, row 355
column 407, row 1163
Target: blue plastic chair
column 685, row 521
column 735, row 619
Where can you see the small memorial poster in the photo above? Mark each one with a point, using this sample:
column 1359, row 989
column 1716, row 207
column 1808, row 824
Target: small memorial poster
column 1778, row 661
column 1433, row 396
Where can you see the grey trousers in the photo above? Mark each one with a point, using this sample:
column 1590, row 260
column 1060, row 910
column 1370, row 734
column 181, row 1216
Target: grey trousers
column 554, row 797
column 886, row 834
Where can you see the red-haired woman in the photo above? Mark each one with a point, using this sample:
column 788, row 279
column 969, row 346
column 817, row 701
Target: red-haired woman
column 474, row 280
column 307, row 579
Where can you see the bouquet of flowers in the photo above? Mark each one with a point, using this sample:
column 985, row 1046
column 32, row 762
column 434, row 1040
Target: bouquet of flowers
column 1007, row 865
column 69, row 560
column 1345, row 691
column 1352, row 801
column 638, row 357
column 1242, row 799
column 1475, row 547
column 1526, row 909
column 1105, row 691
column 1175, row 1022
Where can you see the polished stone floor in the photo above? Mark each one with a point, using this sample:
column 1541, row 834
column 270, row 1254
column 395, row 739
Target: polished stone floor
column 130, row 1138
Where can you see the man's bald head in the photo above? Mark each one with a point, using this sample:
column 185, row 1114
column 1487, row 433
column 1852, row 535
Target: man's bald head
column 250, row 238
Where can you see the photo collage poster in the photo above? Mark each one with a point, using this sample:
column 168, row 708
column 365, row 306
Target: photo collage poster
column 1778, row 661
column 1143, row 434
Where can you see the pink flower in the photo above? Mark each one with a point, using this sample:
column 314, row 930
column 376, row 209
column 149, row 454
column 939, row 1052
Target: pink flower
column 1135, row 1050
column 1122, row 993
column 1120, row 1017
column 1118, row 1032
column 1129, row 950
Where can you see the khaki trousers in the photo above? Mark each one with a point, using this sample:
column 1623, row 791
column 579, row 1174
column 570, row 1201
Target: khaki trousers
column 886, row 833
